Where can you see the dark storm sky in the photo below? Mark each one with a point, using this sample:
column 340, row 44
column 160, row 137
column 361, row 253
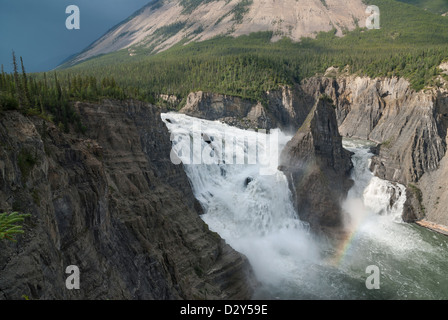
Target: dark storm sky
column 35, row 29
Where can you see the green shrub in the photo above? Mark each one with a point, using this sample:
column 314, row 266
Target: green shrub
column 10, row 225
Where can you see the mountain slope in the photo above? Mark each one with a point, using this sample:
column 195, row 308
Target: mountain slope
column 163, row 23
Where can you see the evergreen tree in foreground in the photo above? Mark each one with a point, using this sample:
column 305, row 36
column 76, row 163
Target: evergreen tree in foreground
column 9, row 225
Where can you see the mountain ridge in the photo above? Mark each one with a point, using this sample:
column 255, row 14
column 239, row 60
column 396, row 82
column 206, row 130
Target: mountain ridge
column 161, row 24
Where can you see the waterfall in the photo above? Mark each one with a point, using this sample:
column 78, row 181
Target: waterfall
column 251, row 209
column 253, row 212
column 370, row 195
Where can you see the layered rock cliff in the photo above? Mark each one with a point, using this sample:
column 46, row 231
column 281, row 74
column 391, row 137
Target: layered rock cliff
column 110, row 202
column 410, row 128
column 231, row 110
column 408, row 124
column 286, row 108
column 318, row 168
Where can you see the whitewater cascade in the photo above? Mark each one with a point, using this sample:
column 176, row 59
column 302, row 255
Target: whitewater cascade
column 254, row 213
column 370, row 196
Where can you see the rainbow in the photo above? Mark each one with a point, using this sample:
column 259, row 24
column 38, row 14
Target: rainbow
column 345, row 242
column 343, row 248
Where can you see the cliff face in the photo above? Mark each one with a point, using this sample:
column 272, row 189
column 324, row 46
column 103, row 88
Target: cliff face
column 287, row 108
column 112, row 203
column 231, row 110
column 411, row 128
column 409, row 125
column 318, row 168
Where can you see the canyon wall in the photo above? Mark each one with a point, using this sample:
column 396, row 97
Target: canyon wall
column 286, row 108
column 410, row 128
column 110, row 202
column 408, row 124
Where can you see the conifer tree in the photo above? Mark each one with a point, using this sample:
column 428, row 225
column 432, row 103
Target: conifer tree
column 45, row 82
column 26, row 92
column 17, row 82
column 9, row 225
column 58, row 87
column 3, row 79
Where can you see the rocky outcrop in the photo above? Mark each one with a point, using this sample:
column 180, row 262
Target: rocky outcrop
column 387, row 111
column 413, row 209
column 228, row 109
column 318, row 168
column 410, row 128
column 289, row 106
column 286, row 108
column 111, row 202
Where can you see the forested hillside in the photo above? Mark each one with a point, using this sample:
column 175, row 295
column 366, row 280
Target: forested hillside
column 411, row 43
column 49, row 97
